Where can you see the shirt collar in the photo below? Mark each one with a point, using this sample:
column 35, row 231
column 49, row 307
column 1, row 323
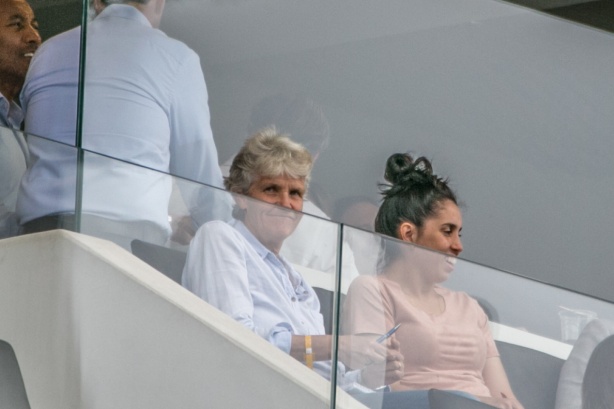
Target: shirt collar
column 296, row 279
column 11, row 114
column 124, row 11
column 251, row 239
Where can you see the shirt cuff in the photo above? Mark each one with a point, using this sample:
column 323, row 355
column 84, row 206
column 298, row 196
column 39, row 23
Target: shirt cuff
column 281, row 337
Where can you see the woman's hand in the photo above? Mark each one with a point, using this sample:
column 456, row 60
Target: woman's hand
column 502, row 402
column 358, row 351
column 388, row 372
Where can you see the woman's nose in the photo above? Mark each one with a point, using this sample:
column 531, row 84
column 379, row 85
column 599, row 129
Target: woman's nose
column 457, row 246
column 284, row 200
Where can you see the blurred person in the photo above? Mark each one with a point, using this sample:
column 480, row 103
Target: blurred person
column 301, row 118
column 145, row 102
column 238, row 268
column 598, row 383
column 444, row 335
column 359, row 213
column 19, row 39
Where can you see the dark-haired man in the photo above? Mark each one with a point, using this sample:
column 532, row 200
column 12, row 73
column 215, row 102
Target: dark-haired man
column 19, row 39
column 145, row 102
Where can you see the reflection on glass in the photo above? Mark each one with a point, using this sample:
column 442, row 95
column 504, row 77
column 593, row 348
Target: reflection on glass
column 573, row 322
column 122, row 212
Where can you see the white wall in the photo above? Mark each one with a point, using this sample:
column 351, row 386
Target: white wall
column 94, row 327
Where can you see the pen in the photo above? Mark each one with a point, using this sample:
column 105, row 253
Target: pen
column 388, row 334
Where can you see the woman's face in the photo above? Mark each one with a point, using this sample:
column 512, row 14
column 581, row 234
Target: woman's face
column 440, row 232
column 272, row 224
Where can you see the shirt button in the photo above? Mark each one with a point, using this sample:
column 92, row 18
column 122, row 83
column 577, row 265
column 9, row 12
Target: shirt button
column 293, row 299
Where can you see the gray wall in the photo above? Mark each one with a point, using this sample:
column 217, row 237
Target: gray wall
column 513, row 105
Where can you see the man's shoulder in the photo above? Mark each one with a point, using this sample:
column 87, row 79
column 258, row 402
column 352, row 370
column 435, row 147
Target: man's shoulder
column 67, row 37
column 60, row 46
column 173, row 48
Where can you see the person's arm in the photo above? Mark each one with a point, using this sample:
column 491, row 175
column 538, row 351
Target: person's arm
column 192, row 148
column 358, row 348
column 367, row 315
column 193, row 154
column 493, row 373
column 385, row 373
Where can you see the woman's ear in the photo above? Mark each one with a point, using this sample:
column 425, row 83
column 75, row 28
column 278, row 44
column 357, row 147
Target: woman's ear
column 407, row 232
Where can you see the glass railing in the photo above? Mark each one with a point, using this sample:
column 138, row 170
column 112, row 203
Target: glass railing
column 14, row 156
column 496, row 94
column 354, row 84
column 449, row 311
column 448, row 80
column 329, row 279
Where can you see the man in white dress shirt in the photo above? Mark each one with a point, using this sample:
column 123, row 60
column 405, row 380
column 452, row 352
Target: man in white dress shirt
column 145, row 102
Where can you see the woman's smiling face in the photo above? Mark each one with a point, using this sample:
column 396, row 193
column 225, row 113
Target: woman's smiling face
column 442, row 231
column 273, row 224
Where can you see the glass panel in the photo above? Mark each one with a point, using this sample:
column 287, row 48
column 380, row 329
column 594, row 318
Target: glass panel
column 48, row 192
column 229, row 263
column 446, row 332
column 145, row 99
column 543, row 309
column 235, row 267
column 13, row 156
column 122, row 202
column 458, row 73
column 50, row 93
column 482, row 87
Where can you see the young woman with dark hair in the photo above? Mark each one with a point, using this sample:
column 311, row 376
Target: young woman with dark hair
column 444, row 335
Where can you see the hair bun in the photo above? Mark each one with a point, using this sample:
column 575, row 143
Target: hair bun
column 402, row 169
